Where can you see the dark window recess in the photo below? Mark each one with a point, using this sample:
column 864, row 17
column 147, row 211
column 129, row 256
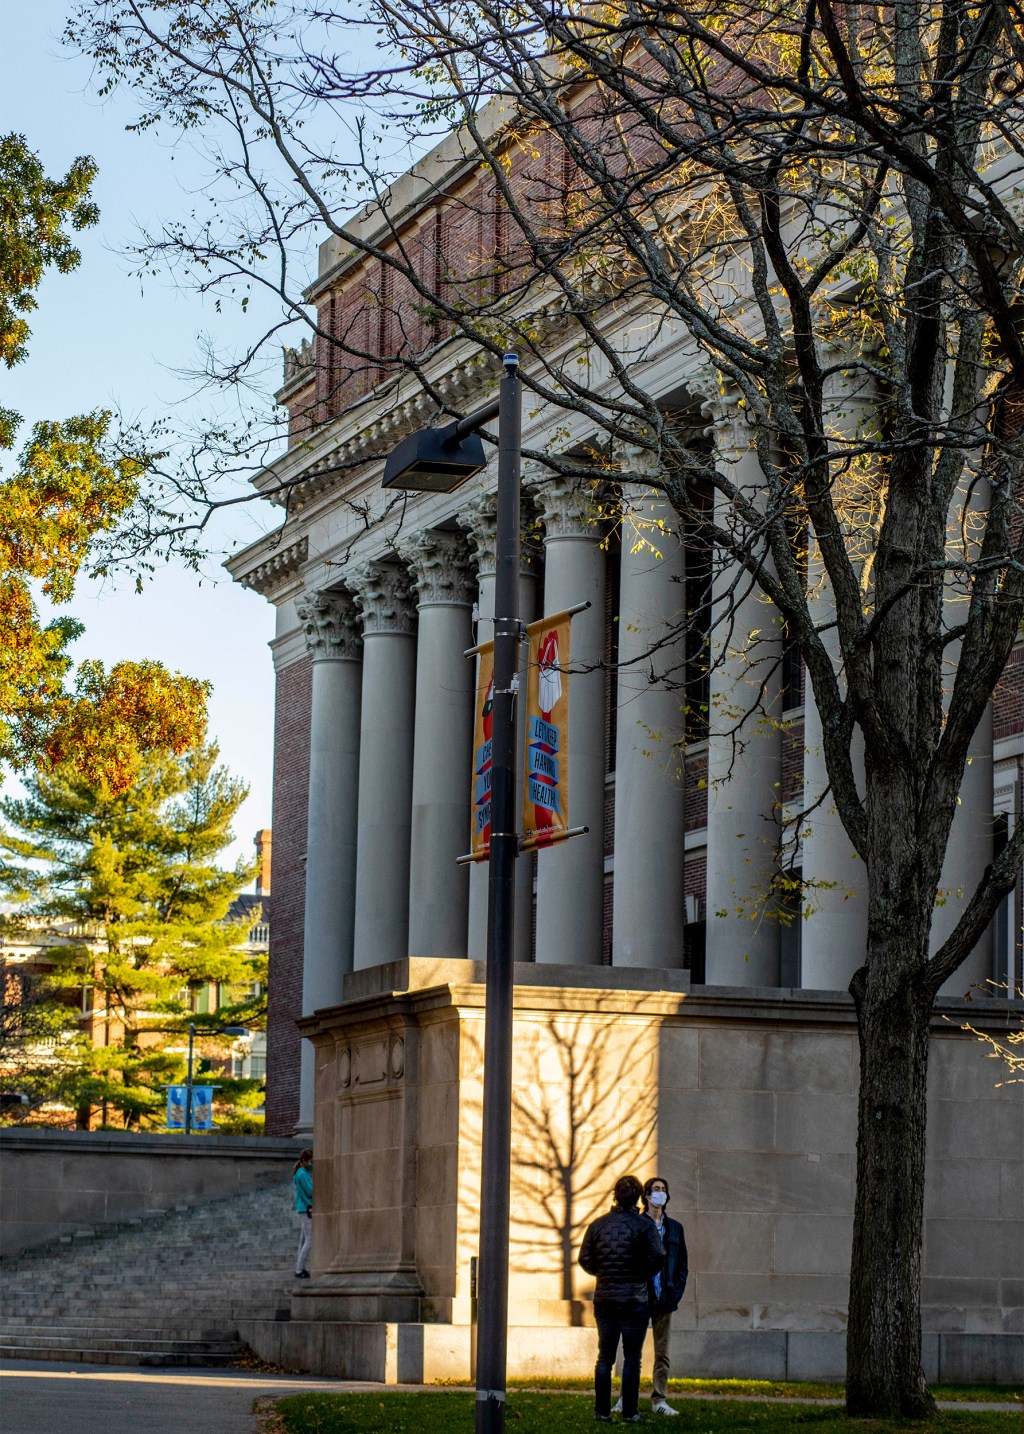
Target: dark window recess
column 1002, row 936
column 791, row 934
column 698, row 620
column 612, row 573
column 695, row 946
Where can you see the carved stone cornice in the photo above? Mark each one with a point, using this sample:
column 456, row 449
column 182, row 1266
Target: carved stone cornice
column 567, row 509
column 440, row 564
column 455, row 391
column 331, row 625
column 277, row 569
column 386, row 596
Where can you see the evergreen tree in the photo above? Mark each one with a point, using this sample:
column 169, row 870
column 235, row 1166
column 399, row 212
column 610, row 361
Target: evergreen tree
column 124, row 891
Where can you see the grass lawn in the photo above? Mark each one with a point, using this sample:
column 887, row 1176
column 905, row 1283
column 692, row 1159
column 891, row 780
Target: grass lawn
column 783, row 1389
column 453, row 1413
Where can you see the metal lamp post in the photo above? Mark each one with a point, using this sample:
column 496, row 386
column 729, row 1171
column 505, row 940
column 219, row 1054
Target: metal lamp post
column 438, row 460
column 218, row 1030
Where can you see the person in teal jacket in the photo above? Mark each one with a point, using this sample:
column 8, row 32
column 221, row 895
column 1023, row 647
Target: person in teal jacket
column 302, row 1183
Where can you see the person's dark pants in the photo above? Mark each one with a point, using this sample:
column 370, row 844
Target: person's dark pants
column 626, row 1321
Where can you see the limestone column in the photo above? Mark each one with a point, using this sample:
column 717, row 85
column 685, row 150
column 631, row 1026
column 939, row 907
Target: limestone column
column 570, row 876
column 438, row 887
column 334, row 643
column 835, row 881
column 970, row 848
column 647, row 924
column 480, row 523
column 969, row 851
column 744, row 741
column 385, row 596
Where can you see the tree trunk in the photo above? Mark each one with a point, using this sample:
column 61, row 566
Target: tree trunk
column 884, row 1374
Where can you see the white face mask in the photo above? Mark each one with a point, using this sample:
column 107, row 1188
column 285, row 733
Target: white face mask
column 657, row 1198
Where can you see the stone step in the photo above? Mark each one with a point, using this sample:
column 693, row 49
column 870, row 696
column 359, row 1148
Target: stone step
column 11, row 1329
column 76, row 1354
column 113, row 1340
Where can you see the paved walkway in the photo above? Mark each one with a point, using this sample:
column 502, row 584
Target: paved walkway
column 43, row 1397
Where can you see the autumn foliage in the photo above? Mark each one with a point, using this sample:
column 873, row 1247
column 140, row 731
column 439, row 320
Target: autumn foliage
column 71, row 484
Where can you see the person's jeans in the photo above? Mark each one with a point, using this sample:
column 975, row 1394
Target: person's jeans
column 661, row 1328
column 617, row 1320
column 305, row 1224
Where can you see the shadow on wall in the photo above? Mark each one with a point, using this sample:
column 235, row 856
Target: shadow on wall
column 584, row 1112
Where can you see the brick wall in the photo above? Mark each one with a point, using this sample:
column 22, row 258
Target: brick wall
column 291, row 785
column 1008, row 703
column 695, row 790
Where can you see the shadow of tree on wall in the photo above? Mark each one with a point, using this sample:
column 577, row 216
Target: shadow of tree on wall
column 584, row 1111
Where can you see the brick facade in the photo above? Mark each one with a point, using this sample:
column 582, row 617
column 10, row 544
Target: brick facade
column 1008, row 702
column 291, row 795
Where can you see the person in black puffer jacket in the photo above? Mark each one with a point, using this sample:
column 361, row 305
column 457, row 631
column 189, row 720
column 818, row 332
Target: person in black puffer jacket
column 623, row 1249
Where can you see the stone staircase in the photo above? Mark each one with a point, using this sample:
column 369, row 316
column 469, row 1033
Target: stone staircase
column 169, row 1288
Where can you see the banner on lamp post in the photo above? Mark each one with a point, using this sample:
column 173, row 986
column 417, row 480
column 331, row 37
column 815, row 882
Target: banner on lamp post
column 480, row 849
column 177, row 1098
column 546, row 768
column 202, row 1107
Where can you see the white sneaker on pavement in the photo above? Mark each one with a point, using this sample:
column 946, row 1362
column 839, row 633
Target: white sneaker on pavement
column 658, row 1406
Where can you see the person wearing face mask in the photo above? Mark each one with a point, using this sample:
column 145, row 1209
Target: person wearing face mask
column 665, row 1288
column 623, row 1250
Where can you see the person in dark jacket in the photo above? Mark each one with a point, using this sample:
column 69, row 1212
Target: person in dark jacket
column 667, row 1286
column 623, row 1249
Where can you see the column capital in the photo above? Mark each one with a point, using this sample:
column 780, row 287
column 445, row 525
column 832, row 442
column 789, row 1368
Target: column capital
column 725, row 408
column 479, row 520
column 331, row 626
column 440, row 565
column 386, row 596
column 567, row 509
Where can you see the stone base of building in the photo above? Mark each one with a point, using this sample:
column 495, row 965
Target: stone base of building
column 744, row 1100
column 435, row 1353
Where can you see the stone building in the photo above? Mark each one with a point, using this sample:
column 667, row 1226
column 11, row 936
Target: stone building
column 650, row 1030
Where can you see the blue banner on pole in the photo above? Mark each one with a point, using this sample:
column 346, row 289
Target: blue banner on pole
column 177, row 1095
column 202, row 1107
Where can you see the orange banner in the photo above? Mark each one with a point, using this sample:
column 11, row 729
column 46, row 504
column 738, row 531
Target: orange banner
column 546, row 765
column 481, row 807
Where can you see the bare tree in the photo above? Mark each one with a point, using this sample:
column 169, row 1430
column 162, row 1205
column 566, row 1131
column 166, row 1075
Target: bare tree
column 820, row 200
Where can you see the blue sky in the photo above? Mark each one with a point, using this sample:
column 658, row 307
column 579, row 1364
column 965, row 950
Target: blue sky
column 102, row 339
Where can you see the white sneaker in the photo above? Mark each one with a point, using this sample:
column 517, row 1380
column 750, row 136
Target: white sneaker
column 617, row 1406
column 658, row 1406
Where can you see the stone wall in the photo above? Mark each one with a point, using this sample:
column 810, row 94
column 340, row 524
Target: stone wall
column 744, row 1100
column 55, row 1182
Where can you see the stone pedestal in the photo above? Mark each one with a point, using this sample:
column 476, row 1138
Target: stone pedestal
column 647, row 923
column 570, row 875
column 745, row 1102
column 438, row 887
column 385, row 596
column 332, row 636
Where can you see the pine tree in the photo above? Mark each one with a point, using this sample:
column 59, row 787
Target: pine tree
column 124, row 891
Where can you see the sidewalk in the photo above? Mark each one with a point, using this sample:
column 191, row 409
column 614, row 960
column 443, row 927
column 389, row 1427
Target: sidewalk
column 40, row 1397
column 44, row 1397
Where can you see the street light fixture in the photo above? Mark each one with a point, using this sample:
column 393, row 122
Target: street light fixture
column 438, row 460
